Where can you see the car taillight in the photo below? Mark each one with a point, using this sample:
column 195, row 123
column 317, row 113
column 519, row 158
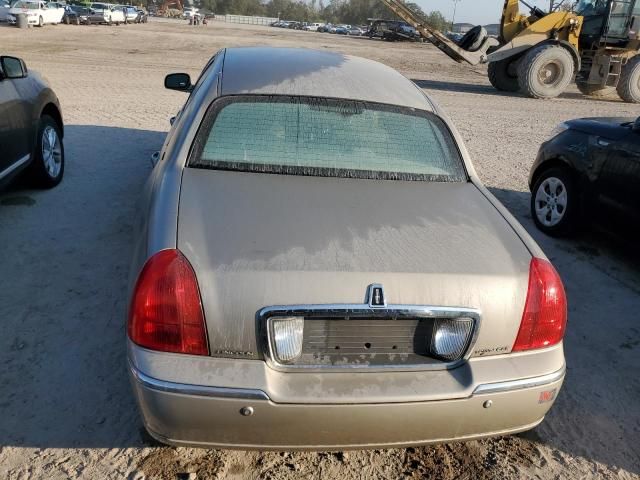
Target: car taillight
column 545, row 311
column 166, row 312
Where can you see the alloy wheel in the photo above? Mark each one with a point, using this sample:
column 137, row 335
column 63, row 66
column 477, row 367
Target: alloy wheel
column 51, row 151
column 551, row 201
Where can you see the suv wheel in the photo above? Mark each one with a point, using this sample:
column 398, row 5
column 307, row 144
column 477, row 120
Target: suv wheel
column 48, row 164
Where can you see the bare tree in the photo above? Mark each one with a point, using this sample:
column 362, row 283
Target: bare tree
column 565, row 5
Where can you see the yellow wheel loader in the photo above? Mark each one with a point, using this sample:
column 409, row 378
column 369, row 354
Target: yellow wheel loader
column 540, row 53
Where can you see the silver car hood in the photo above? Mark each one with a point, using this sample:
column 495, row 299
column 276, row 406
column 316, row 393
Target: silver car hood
column 258, row 240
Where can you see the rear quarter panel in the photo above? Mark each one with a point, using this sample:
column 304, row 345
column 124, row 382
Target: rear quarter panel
column 156, row 224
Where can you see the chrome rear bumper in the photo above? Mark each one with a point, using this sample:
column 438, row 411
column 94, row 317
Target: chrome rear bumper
column 207, row 416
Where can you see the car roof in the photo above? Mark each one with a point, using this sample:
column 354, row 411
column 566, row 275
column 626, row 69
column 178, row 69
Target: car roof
column 306, row 72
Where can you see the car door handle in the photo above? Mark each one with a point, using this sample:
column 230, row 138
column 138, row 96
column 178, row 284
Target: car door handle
column 603, row 143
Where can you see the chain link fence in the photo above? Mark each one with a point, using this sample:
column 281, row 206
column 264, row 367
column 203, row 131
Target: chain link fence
column 248, row 20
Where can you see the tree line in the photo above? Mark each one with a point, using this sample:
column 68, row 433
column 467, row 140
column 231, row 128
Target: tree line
column 354, row 12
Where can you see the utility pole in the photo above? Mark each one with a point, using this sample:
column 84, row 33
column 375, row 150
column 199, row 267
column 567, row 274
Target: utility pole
column 455, row 6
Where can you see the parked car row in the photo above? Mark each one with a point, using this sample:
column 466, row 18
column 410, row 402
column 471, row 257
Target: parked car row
column 323, row 27
column 41, row 13
column 107, row 13
column 390, row 30
column 344, row 29
column 393, row 30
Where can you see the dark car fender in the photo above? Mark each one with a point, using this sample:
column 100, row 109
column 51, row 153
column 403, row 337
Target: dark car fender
column 571, row 150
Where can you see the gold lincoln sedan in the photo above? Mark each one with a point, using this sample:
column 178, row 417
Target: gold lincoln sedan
column 318, row 266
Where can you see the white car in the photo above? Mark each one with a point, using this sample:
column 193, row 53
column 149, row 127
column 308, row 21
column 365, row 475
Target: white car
column 38, row 13
column 312, row 27
column 105, row 13
column 190, row 13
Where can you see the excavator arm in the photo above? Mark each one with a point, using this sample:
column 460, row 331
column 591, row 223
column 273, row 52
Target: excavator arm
column 436, row 37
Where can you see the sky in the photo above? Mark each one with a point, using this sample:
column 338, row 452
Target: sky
column 478, row 12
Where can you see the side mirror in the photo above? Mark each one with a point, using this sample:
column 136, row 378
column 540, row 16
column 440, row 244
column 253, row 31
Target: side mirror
column 178, row 81
column 13, row 67
column 636, row 126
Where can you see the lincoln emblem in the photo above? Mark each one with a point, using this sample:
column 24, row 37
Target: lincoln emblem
column 376, row 296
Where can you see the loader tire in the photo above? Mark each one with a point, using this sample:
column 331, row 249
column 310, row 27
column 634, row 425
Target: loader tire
column 545, row 71
column 473, row 39
column 629, row 85
column 595, row 91
column 503, row 75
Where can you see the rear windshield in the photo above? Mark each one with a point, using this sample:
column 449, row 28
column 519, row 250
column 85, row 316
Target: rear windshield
column 326, row 137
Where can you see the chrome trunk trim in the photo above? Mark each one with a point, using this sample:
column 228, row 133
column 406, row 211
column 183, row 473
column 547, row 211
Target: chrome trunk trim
column 520, row 384
column 199, row 390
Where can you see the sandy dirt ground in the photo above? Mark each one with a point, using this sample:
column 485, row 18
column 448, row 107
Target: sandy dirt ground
column 66, row 410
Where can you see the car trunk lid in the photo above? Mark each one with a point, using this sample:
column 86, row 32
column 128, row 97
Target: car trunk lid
column 258, row 240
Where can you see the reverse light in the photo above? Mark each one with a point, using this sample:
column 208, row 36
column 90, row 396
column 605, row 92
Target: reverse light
column 451, row 337
column 286, row 334
column 166, row 311
column 545, row 311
